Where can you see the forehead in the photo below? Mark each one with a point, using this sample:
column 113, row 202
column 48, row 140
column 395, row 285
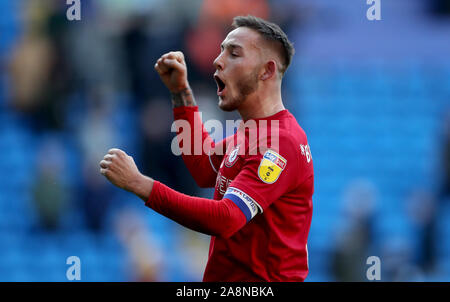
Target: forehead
column 242, row 36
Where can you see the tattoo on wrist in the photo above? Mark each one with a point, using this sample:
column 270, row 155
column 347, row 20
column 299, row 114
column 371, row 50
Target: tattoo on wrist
column 183, row 98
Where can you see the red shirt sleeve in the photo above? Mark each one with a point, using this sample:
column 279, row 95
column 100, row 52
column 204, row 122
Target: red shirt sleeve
column 200, row 154
column 213, row 217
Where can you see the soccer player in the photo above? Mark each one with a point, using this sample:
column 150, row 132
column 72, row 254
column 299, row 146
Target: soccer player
column 261, row 213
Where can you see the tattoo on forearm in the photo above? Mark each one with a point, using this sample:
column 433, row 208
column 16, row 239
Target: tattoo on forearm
column 183, row 98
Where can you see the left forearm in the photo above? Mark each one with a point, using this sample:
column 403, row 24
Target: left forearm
column 141, row 186
column 212, row 217
column 120, row 169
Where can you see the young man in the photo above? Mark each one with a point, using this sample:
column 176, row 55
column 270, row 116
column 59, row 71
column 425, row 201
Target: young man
column 261, row 213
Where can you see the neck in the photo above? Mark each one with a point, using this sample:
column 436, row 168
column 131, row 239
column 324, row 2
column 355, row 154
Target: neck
column 261, row 105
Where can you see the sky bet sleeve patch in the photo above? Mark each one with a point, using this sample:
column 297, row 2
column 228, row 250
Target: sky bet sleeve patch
column 271, row 166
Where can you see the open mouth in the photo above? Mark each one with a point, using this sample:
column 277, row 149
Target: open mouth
column 220, row 84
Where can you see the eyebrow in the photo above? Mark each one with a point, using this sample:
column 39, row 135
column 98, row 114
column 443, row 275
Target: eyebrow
column 230, row 45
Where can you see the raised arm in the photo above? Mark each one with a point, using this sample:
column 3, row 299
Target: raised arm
column 202, row 165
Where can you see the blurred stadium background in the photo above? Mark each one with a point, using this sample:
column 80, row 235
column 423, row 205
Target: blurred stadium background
column 373, row 97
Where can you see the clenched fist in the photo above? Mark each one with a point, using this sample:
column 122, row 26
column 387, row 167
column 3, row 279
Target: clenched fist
column 120, row 169
column 172, row 70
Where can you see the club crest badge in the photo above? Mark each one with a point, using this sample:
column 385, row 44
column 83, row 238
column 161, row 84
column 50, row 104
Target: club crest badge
column 271, row 166
column 232, row 158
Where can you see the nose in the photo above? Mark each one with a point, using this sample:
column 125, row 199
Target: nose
column 218, row 64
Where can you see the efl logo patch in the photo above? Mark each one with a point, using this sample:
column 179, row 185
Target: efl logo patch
column 271, row 166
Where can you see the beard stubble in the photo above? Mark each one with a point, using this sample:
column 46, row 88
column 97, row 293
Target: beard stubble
column 245, row 87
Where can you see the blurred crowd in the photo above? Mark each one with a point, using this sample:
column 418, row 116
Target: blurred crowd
column 85, row 87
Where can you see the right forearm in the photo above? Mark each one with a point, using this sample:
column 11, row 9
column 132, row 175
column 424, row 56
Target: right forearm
column 183, row 98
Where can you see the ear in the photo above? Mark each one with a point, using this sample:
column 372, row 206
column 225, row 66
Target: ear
column 270, row 70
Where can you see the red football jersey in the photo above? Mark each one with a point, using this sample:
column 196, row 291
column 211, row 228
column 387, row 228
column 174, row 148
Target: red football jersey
column 274, row 189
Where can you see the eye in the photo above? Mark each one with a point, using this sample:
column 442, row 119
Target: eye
column 234, row 54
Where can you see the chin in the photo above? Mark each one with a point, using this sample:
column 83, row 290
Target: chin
column 227, row 105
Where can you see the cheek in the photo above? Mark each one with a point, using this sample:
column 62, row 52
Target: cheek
column 244, row 76
column 236, row 75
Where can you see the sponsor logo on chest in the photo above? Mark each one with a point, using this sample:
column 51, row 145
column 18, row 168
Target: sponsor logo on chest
column 226, row 175
column 222, row 183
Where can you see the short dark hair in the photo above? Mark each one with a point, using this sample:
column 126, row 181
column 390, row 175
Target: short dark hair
column 270, row 32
